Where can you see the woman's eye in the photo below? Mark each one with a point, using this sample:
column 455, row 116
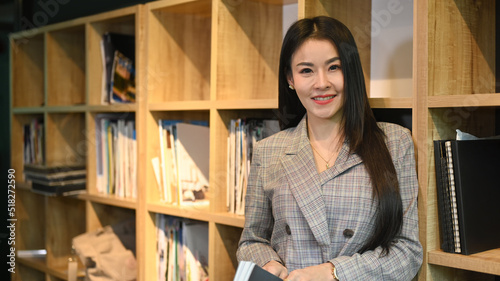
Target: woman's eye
column 335, row 67
column 305, row 70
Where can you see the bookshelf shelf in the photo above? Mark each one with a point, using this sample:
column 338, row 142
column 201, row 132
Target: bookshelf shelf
column 486, row 262
column 180, row 106
column 193, row 212
column 127, row 203
column 391, row 102
column 477, row 100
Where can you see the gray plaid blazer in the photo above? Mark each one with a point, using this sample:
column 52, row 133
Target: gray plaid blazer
column 301, row 218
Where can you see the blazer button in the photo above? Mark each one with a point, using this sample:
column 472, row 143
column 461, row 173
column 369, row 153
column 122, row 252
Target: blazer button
column 348, row 233
column 288, row 230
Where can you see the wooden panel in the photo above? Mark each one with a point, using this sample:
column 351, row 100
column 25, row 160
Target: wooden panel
column 65, row 141
column 486, row 262
column 461, row 48
column 65, row 220
column 100, row 215
column 27, row 71
column 66, row 67
column 248, row 44
column 179, row 53
column 30, row 225
column 222, row 257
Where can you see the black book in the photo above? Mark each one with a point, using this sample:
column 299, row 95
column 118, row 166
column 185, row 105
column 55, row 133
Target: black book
column 443, row 196
column 476, row 169
column 249, row 271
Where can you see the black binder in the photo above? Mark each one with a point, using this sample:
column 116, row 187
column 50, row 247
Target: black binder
column 476, row 171
column 249, row 271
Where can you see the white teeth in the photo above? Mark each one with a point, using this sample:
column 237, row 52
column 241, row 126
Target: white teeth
column 323, row 98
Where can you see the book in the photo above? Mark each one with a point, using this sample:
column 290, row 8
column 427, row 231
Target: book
column 192, row 147
column 249, row 271
column 111, row 42
column 122, row 79
column 56, row 179
column 472, row 170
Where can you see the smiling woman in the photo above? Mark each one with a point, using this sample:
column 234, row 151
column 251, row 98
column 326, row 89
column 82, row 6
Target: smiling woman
column 333, row 196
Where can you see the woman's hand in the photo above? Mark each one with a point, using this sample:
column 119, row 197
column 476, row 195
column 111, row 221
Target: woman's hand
column 276, row 268
column 321, row 272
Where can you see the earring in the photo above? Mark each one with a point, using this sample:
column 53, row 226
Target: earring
column 291, row 87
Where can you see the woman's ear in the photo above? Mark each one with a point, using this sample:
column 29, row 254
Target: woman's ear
column 289, row 79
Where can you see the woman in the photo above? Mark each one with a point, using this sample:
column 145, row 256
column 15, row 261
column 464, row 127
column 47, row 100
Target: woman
column 333, row 196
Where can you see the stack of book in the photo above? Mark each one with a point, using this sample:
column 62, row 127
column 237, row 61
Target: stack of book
column 116, row 154
column 468, row 189
column 59, row 180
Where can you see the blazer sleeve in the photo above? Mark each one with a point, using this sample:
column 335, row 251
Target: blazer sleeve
column 405, row 256
column 255, row 239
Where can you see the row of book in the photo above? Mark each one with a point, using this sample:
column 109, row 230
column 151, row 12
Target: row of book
column 182, row 249
column 118, row 61
column 468, row 190
column 116, row 149
column 181, row 168
column 33, row 147
column 243, row 135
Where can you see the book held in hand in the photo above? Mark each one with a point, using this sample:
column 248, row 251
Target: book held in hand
column 249, row 271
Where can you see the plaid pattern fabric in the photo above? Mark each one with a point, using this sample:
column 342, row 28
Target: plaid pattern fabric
column 301, row 218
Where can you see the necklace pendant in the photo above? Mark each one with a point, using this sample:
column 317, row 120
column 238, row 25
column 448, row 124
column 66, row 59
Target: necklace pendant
column 327, row 166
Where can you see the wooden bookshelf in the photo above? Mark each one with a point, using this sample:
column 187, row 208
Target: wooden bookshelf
column 217, row 60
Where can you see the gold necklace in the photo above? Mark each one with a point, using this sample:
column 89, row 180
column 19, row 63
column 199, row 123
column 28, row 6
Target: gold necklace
column 327, row 162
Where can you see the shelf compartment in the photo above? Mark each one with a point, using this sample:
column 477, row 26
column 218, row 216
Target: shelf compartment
column 462, row 48
column 124, row 21
column 65, row 220
column 384, row 28
column 66, row 66
column 31, row 219
column 103, row 214
column 19, row 121
column 478, row 121
column 223, row 244
column 27, row 70
column 220, row 128
column 154, row 148
column 178, row 44
column 65, row 142
column 485, row 262
column 246, row 50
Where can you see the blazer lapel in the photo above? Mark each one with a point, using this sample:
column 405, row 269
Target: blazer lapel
column 304, row 183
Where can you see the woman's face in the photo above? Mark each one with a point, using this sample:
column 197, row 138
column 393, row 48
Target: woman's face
column 318, row 79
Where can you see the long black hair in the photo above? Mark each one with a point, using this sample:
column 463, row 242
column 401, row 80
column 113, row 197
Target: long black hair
column 359, row 126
